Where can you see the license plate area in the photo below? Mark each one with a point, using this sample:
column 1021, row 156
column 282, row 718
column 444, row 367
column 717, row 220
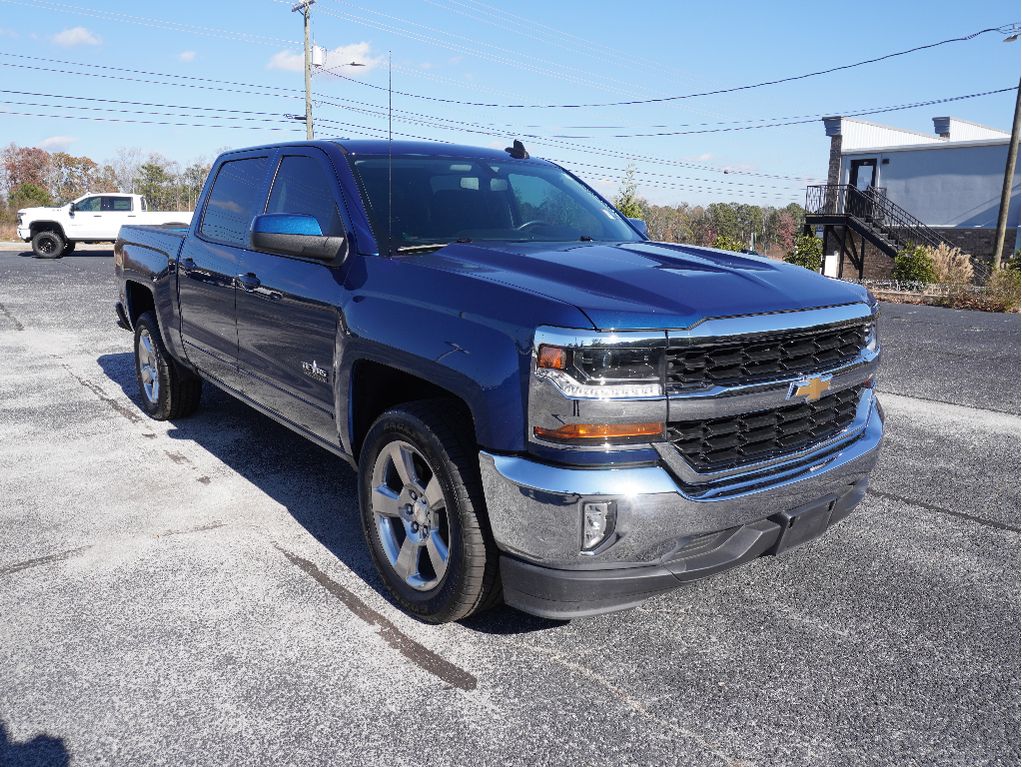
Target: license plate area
column 802, row 524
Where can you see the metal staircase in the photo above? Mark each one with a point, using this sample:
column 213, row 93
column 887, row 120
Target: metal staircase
column 869, row 214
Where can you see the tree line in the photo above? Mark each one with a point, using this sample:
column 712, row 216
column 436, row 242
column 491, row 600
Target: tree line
column 30, row 176
column 727, row 225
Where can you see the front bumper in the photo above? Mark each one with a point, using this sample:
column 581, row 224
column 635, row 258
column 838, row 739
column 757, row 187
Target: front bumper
column 24, row 233
column 666, row 531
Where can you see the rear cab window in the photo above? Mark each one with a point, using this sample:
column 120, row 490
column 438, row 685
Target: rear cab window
column 235, row 199
column 116, row 204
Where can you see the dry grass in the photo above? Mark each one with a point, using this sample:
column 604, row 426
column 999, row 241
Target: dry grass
column 950, row 265
column 7, row 232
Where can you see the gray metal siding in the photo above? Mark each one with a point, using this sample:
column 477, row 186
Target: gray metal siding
column 946, row 185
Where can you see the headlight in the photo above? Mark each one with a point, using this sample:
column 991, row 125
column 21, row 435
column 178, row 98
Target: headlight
column 602, row 372
column 592, row 389
column 871, row 328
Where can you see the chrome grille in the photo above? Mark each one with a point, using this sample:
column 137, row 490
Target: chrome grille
column 755, row 359
column 721, row 443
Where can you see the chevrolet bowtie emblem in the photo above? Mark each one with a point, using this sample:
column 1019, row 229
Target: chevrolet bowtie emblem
column 810, row 388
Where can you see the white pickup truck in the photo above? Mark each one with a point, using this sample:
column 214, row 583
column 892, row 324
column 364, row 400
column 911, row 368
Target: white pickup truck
column 54, row 232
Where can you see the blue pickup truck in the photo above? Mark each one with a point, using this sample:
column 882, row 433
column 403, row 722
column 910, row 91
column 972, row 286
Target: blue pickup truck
column 543, row 406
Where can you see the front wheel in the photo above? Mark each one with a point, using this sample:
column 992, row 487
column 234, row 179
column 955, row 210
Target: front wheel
column 423, row 513
column 48, row 245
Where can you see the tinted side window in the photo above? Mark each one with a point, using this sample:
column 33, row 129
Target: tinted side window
column 303, row 186
column 89, row 203
column 117, row 204
column 234, row 201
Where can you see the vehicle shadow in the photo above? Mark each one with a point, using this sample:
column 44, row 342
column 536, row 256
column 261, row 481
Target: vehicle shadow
column 40, row 751
column 316, row 487
column 104, row 253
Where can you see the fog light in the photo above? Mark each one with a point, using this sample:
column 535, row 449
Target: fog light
column 598, row 518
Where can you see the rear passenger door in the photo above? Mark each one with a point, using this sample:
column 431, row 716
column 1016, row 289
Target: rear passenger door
column 288, row 312
column 117, row 212
column 211, row 262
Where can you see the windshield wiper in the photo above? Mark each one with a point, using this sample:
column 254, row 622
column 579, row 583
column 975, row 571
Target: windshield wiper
column 423, row 246
column 585, row 238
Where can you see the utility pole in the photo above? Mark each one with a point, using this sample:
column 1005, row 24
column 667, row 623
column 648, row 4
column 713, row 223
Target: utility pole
column 1009, row 177
column 305, row 7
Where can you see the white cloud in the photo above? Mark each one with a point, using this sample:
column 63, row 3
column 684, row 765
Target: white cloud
column 335, row 59
column 57, row 142
column 187, row 56
column 5, row 32
column 75, row 36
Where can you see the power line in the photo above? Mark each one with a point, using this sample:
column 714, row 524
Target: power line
column 716, row 92
column 198, row 83
column 148, row 21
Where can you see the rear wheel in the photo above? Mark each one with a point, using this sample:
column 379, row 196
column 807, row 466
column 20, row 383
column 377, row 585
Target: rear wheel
column 168, row 390
column 423, row 513
column 48, row 244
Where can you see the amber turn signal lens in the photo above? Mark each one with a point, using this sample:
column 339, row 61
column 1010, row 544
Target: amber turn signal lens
column 553, row 357
column 572, row 431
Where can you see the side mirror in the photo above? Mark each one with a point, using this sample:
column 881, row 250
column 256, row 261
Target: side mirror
column 293, row 234
column 639, row 224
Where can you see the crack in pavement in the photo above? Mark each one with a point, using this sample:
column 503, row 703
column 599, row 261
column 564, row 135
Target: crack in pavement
column 6, row 312
column 128, row 413
column 638, row 706
column 61, row 556
column 58, row 557
column 940, row 510
column 421, row 656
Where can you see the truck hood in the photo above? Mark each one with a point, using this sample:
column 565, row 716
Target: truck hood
column 642, row 285
column 37, row 211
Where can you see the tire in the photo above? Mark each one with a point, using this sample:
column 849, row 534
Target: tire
column 419, row 494
column 69, row 248
column 167, row 390
column 48, row 244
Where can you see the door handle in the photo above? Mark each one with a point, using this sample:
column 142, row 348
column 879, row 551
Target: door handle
column 249, row 281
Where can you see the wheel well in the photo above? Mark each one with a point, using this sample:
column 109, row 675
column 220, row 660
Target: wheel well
column 376, row 388
column 139, row 299
column 45, row 226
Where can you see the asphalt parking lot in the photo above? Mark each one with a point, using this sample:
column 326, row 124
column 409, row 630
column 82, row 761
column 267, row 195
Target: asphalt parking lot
column 198, row 592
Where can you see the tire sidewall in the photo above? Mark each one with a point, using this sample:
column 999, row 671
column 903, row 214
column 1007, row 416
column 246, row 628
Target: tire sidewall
column 397, row 425
column 161, row 408
column 58, row 244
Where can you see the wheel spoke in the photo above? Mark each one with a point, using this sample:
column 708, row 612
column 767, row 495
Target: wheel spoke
column 401, row 456
column 438, row 554
column 407, row 563
column 385, row 502
column 156, row 386
column 147, row 344
column 433, row 493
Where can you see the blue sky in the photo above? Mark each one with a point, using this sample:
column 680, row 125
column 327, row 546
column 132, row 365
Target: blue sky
column 485, row 51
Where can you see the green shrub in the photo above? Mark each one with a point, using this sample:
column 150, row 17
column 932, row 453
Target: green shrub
column 807, row 252
column 1004, row 290
column 723, row 242
column 914, row 264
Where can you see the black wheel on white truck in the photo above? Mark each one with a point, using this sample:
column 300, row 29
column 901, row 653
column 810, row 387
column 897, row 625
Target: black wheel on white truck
column 48, row 244
column 424, row 514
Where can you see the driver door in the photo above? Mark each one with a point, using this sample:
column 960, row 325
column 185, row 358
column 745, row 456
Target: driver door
column 84, row 220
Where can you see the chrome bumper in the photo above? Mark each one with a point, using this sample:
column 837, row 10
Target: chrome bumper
column 535, row 508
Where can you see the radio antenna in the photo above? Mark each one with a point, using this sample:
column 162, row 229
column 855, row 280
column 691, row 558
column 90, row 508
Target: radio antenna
column 390, row 153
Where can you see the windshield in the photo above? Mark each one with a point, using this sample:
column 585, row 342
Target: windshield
column 439, row 200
